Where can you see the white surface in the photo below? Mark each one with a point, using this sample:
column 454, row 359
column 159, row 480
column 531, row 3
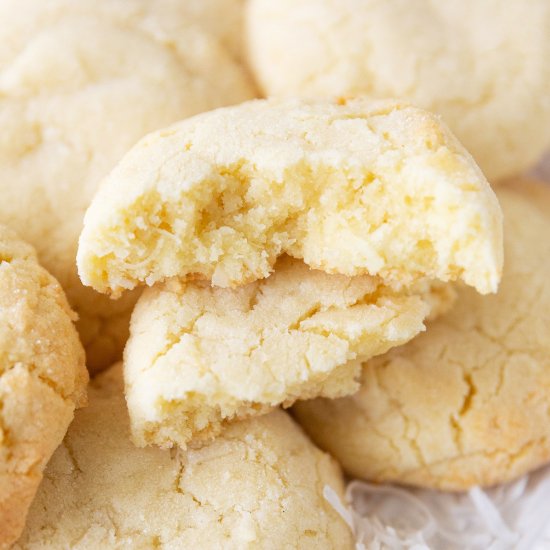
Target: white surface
column 514, row 516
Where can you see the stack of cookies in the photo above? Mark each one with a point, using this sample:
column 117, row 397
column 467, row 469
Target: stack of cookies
column 310, row 239
column 326, row 249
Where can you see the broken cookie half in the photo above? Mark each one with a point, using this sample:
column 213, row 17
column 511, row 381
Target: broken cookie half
column 355, row 187
column 200, row 356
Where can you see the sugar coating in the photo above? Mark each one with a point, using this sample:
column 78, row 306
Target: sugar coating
column 199, row 356
column 467, row 402
column 259, row 485
column 351, row 187
column 483, row 66
column 42, row 377
column 80, row 83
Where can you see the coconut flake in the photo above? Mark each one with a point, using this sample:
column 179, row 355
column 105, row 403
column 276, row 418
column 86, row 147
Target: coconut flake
column 332, row 498
column 513, row 516
column 492, row 517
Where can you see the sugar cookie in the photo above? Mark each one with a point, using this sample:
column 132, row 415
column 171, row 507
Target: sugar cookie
column 42, row 377
column 259, row 485
column 467, row 402
column 351, row 187
column 483, row 66
column 224, row 19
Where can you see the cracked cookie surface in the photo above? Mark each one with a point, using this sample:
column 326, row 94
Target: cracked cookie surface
column 80, row 83
column 42, row 377
column 259, row 485
column 199, row 357
column 483, row 66
column 467, row 402
column 351, row 187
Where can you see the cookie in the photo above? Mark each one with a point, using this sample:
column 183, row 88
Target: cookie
column 200, row 356
column 351, row 187
column 483, row 66
column 465, row 403
column 80, row 83
column 259, row 485
column 535, row 189
column 223, row 19
column 42, row 377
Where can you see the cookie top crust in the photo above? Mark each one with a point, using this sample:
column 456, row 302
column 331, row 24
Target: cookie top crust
column 260, row 484
column 482, row 66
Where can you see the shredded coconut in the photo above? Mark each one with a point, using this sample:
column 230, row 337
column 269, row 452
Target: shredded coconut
column 513, row 516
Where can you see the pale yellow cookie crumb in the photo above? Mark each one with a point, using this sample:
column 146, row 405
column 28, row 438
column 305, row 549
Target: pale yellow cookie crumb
column 259, row 485
column 467, row 403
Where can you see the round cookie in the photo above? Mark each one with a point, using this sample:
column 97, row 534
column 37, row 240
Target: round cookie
column 467, row 402
column 259, row 485
column 80, row 83
column 199, row 356
column 42, row 377
column 351, row 187
column 483, row 66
